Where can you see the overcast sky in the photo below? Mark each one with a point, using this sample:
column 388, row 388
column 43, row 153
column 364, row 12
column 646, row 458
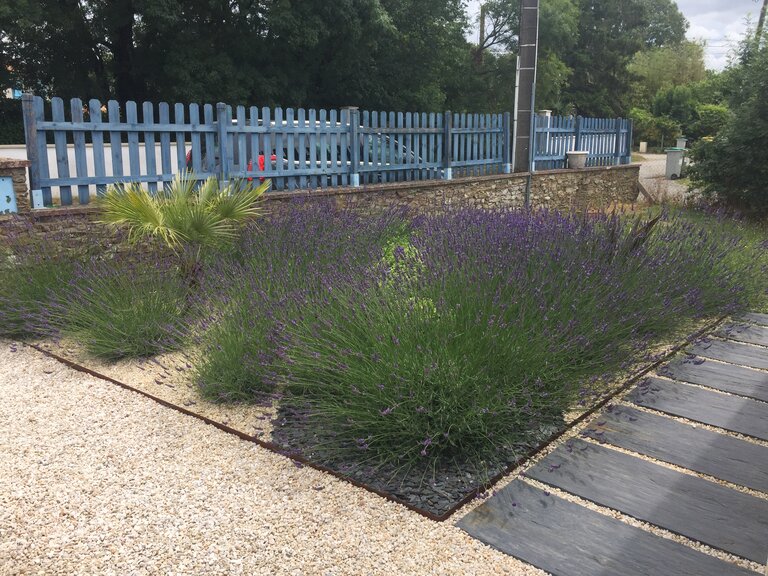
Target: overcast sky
column 720, row 22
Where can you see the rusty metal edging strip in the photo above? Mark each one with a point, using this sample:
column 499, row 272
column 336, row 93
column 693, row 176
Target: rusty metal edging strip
column 298, row 458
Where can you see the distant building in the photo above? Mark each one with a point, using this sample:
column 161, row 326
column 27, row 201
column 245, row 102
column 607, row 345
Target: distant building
column 14, row 93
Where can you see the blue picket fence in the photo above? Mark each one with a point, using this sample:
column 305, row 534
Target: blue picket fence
column 97, row 145
column 78, row 150
column 608, row 140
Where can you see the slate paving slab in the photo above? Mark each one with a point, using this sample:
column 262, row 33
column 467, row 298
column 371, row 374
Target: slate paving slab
column 723, row 384
column 727, row 377
column 718, row 455
column 749, row 333
column 733, row 353
column 757, row 318
column 701, row 510
column 733, row 413
column 567, row 539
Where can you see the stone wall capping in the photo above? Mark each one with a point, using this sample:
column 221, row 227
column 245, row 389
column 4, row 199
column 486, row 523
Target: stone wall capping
column 13, row 163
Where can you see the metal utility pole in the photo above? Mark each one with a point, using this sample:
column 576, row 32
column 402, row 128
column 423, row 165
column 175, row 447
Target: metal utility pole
column 525, row 98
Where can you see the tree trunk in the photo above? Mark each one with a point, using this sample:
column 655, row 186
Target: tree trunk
column 761, row 22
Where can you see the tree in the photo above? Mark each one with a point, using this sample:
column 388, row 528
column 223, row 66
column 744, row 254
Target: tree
column 658, row 69
column 733, row 166
column 610, row 33
column 494, row 72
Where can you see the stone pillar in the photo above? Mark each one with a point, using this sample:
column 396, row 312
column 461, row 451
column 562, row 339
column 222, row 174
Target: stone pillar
column 17, row 171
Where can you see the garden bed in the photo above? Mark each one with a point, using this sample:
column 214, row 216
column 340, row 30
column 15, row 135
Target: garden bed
column 436, row 492
column 420, row 357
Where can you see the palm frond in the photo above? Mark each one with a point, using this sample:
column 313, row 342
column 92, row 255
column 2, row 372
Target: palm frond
column 238, row 201
column 133, row 207
column 185, row 211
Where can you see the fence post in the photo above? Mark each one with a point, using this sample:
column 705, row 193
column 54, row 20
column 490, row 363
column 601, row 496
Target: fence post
column 630, row 138
column 353, row 117
column 507, row 136
column 447, row 170
column 577, row 140
column 30, row 135
column 618, row 145
column 222, row 119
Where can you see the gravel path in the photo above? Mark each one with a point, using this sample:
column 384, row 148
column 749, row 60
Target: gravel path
column 98, row 480
column 652, row 175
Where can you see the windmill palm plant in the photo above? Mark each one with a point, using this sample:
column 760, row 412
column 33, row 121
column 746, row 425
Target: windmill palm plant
column 187, row 216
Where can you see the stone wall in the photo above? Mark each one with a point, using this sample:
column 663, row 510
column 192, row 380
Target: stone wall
column 587, row 189
column 590, row 188
column 17, row 170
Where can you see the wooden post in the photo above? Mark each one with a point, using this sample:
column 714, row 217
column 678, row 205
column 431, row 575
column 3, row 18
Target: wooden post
column 507, row 142
column 222, row 119
column 30, row 135
column 353, row 118
column 577, row 142
column 446, row 160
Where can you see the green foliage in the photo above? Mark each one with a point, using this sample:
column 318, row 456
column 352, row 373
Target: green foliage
column 733, row 168
column 230, row 366
column 653, row 129
column 11, row 122
column 186, row 214
column 610, row 33
column 710, row 119
column 28, row 285
column 237, row 347
column 480, row 345
column 662, row 68
column 120, row 309
column 376, row 54
column 677, row 103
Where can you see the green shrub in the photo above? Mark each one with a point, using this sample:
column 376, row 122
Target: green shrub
column 653, row 129
column 122, row 308
column 35, row 269
column 733, row 168
column 26, row 289
column 710, row 119
column 253, row 290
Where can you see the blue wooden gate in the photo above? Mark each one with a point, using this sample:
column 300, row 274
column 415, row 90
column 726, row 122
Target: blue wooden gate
column 608, row 140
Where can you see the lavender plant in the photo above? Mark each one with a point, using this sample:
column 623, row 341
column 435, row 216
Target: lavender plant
column 34, row 268
column 247, row 297
column 489, row 326
column 128, row 305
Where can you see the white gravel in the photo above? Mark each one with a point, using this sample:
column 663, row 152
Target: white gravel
column 169, row 377
column 95, row 479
